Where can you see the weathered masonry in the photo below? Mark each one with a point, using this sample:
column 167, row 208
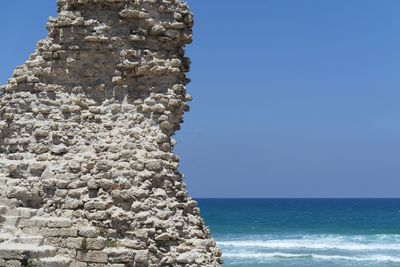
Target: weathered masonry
column 87, row 173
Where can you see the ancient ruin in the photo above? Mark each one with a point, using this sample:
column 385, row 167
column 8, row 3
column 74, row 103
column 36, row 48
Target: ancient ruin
column 87, row 172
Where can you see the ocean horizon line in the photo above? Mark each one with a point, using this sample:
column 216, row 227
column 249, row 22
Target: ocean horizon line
column 296, row 198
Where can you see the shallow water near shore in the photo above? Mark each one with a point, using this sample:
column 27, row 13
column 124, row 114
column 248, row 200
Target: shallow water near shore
column 305, row 232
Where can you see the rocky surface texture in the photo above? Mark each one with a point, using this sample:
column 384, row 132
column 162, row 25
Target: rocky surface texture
column 87, row 173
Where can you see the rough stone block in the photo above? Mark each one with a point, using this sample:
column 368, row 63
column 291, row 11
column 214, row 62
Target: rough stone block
column 92, row 256
column 16, row 251
column 54, row 262
column 88, row 232
column 59, row 223
column 27, row 223
column 120, row 255
column 3, row 209
column 96, row 243
column 13, row 263
column 74, row 242
column 65, row 232
column 11, row 220
column 78, row 264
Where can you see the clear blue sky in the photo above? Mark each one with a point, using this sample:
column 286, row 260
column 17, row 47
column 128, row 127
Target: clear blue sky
column 292, row 98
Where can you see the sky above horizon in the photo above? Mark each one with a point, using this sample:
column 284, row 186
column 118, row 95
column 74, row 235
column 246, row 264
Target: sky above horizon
column 291, row 98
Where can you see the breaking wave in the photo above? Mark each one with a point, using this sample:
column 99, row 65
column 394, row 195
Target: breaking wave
column 335, row 248
column 310, row 244
column 280, row 256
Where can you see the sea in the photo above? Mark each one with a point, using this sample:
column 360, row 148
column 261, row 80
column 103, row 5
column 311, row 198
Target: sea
column 305, row 232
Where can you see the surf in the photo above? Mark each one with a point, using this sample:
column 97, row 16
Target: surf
column 310, row 244
column 320, row 257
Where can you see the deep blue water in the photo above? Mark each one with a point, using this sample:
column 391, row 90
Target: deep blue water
column 305, row 232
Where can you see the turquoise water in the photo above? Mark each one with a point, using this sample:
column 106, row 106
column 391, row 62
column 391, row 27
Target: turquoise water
column 305, row 232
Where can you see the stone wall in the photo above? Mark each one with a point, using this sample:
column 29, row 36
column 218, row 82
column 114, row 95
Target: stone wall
column 87, row 172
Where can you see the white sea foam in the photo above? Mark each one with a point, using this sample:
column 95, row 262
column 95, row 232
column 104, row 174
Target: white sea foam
column 280, row 256
column 311, row 244
column 378, row 258
column 255, row 255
